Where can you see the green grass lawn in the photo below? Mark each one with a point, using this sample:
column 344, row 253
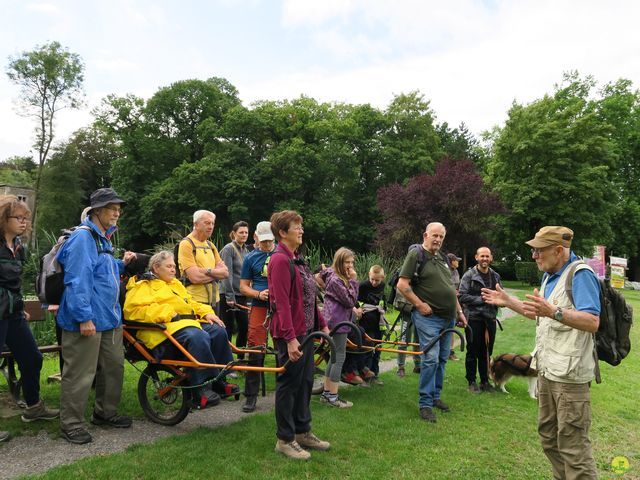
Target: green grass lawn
column 488, row 436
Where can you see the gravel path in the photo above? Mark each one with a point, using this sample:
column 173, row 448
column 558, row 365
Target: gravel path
column 33, row 455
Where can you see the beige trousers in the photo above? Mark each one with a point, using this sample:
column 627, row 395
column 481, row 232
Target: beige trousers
column 564, row 418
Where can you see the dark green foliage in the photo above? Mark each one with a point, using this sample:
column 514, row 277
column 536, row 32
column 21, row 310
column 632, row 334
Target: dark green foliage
column 528, row 272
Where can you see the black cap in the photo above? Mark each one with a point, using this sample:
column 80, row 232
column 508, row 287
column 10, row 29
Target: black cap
column 453, row 256
column 103, row 197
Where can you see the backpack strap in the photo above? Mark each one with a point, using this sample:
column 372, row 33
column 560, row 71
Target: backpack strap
column 96, row 238
column 568, row 287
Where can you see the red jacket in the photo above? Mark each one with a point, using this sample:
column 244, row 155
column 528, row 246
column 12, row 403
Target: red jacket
column 285, row 295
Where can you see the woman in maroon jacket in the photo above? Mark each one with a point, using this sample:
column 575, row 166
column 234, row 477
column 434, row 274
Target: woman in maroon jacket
column 292, row 293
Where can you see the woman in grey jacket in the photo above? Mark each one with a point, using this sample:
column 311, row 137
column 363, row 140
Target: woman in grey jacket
column 233, row 305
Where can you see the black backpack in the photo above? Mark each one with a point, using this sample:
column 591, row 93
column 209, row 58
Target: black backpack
column 393, row 281
column 612, row 342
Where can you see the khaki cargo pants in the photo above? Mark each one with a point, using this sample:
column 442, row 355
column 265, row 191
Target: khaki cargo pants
column 564, row 418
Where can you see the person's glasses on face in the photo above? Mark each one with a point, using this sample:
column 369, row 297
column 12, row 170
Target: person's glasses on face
column 20, row 218
column 536, row 252
column 114, row 209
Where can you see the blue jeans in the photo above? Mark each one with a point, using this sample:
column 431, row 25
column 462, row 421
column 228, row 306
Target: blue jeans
column 433, row 363
column 209, row 345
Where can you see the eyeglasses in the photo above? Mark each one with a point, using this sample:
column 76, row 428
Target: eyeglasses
column 298, row 228
column 535, row 252
column 21, row 218
column 114, row 209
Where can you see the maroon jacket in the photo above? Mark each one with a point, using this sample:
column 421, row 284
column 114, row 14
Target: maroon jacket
column 287, row 322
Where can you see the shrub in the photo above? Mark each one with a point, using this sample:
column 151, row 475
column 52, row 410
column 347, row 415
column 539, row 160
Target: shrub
column 528, row 272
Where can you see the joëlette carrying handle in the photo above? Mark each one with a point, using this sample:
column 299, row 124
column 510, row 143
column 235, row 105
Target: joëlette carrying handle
column 430, row 345
column 310, row 338
column 354, row 328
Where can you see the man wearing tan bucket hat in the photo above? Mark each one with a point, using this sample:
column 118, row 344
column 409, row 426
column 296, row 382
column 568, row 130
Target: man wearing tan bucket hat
column 564, row 350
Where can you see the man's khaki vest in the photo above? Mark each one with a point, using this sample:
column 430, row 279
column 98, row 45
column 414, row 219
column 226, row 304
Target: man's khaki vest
column 562, row 353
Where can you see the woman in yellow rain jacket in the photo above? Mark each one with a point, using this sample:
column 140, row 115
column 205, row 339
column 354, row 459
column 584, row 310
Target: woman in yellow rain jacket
column 158, row 297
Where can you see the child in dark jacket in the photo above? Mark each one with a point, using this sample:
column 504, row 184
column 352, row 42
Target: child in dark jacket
column 371, row 294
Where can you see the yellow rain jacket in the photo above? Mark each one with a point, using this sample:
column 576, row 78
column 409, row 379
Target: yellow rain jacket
column 157, row 301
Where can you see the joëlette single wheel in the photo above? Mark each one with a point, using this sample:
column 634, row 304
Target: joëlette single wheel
column 161, row 396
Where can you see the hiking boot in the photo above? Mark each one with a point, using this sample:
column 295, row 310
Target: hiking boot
column 487, row 388
column 351, row 378
column 79, row 436
column 452, row 356
column 473, row 388
column 292, row 450
column 367, row 374
column 440, row 405
column 309, row 440
column 4, row 436
column 427, row 414
column 250, row 404
column 225, row 389
column 338, row 402
column 376, row 381
column 39, row 411
column 115, row 421
column 416, row 369
column 205, row 397
column 400, row 373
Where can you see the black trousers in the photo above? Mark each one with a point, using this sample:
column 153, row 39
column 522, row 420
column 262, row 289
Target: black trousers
column 479, row 351
column 252, row 379
column 293, row 392
column 236, row 320
column 16, row 334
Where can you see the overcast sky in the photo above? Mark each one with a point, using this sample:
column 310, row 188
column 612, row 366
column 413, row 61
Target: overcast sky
column 472, row 59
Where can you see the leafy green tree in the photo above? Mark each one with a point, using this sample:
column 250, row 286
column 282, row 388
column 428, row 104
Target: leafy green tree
column 620, row 108
column 62, row 195
column 50, row 78
column 411, row 143
column 552, row 165
column 18, row 171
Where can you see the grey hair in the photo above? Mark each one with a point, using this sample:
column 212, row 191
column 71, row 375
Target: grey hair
column 159, row 258
column 435, row 224
column 198, row 214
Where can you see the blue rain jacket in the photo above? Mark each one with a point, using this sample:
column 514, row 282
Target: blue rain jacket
column 91, row 281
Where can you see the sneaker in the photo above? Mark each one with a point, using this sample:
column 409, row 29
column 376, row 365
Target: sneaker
column 205, row 397
column 440, row 405
column 473, row 388
column 309, row 440
column 487, row 388
column 338, row 402
column 367, row 374
column 225, row 389
column 416, row 369
column 427, row 414
column 452, row 356
column 39, row 411
column 116, row 421
column 292, row 450
column 250, row 404
column 79, row 436
column 400, row 373
column 352, row 378
column 376, row 381
column 4, row 436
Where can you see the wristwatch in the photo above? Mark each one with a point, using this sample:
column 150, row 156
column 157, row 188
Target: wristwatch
column 558, row 315
column 209, row 271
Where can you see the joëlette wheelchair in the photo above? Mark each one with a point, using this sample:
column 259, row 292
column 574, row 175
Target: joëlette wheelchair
column 163, row 387
column 364, row 344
